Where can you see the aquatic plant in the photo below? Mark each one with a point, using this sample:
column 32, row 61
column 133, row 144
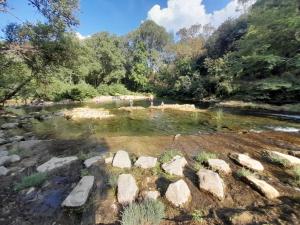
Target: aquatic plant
column 197, row 215
column 243, row 173
column 33, row 180
column 148, row 212
column 203, row 156
column 168, row 155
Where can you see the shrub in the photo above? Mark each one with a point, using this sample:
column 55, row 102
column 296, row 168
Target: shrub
column 33, row 180
column 81, row 91
column 113, row 89
column 149, row 212
column 203, row 156
column 244, row 173
column 168, row 155
column 197, row 215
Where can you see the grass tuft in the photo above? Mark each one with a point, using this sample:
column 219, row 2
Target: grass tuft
column 168, row 155
column 197, row 215
column 243, row 173
column 203, row 156
column 148, row 212
column 278, row 160
column 112, row 180
column 296, row 172
column 33, row 180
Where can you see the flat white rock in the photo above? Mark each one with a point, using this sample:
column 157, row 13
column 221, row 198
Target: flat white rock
column 219, row 165
column 9, row 125
column 146, row 162
column 55, row 162
column 127, row 189
column 292, row 160
column 178, row 193
column 175, row 166
column 121, row 160
column 3, row 171
column 92, row 160
column 151, row 195
column 108, row 160
column 247, row 161
column 211, row 181
column 80, row 193
column 263, row 187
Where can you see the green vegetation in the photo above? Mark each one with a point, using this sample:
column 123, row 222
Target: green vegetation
column 243, row 173
column 33, row 180
column 112, row 180
column 278, row 160
column 168, row 155
column 148, row 212
column 197, row 216
column 296, row 172
column 203, row 156
column 84, row 172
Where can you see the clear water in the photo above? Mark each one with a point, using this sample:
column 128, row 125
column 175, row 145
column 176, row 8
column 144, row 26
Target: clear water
column 156, row 122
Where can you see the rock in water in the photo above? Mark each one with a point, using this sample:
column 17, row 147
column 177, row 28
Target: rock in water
column 9, row 126
column 291, row 160
column 263, row 187
column 247, row 161
column 175, row 166
column 121, row 160
column 178, row 193
column 3, row 171
column 55, row 163
column 80, row 193
column 219, row 165
column 211, row 182
column 127, row 189
column 91, row 161
column 146, row 162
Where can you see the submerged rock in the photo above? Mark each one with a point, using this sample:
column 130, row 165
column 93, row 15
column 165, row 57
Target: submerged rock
column 246, row 161
column 3, row 171
column 219, row 165
column 211, row 182
column 127, row 189
column 91, row 161
column 178, row 193
column 121, row 160
column 175, row 166
column 263, row 187
column 146, row 162
column 55, row 162
column 80, row 193
column 7, row 126
column 290, row 160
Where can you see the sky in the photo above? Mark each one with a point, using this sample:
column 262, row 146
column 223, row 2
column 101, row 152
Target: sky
column 122, row 16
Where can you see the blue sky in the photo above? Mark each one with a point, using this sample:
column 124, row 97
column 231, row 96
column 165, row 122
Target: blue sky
column 123, row 16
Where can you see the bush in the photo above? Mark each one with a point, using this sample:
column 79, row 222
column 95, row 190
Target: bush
column 80, row 92
column 149, row 212
column 33, row 180
column 168, row 155
column 203, row 157
column 113, row 89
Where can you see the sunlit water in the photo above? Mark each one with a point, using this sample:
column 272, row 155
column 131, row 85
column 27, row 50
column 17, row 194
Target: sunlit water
column 157, row 122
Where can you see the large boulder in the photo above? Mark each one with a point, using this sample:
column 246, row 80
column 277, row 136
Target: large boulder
column 127, row 189
column 219, row 165
column 247, row 161
column 290, row 160
column 146, row 162
column 92, row 160
column 211, row 182
column 263, row 187
column 55, row 163
column 3, row 171
column 121, row 160
column 7, row 126
column 175, row 166
column 178, row 193
column 80, row 193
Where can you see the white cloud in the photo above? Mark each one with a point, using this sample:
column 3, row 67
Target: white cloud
column 81, row 37
column 184, row 13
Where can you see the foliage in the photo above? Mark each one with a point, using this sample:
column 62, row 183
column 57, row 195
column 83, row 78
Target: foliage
column 203, row 156
column 168, row 155
column 148, row 212
column 197, row 215
column 113, row 89
column 296, row 172
column 80, row 92
column 243, row 173
column 278, row 160
column 33, row 180
column 112, row 180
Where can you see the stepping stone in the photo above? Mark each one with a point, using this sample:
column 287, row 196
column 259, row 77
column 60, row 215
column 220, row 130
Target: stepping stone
column 178, row 193
column 127, row 189
column 3, row 153
column 219, row 165
column 175, row 166
column 80, row 193
column 9, row 126
column 55, row 163
column 108, row 160
column 121, row 160
column 151, row 195
column 291, row 160
column 263, row 187
column 146, row 162
column 246, row 161
column 211, row 181
column 91, row 161
column 3, row 171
